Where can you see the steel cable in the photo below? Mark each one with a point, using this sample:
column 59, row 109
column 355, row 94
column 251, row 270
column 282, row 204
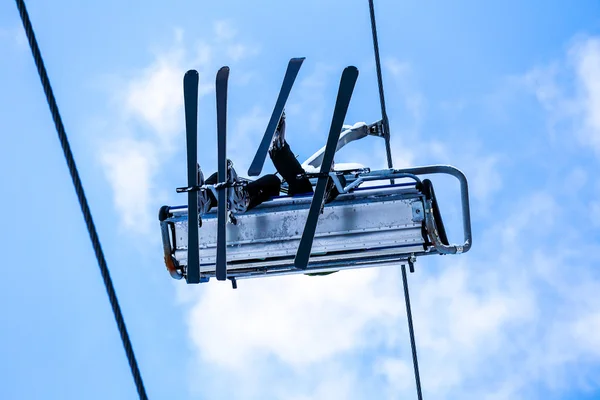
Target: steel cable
column 388, row 150
column 412, row 334
column 386, row 123
column 87, row 215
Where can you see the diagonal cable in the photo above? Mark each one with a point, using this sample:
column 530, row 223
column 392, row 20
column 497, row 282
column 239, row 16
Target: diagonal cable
column 386, row 122
column 386, row 126
column 85, row 209
column 412, row 334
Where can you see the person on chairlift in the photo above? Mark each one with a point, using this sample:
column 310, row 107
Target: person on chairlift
column 248, row 196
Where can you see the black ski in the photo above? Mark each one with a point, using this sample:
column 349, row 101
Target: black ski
column 347, row 82
column 190, row 100
column 221, row 88
column 286, row 87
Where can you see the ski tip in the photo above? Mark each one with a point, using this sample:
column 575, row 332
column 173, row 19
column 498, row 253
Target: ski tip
column 351, row 70
column 223, row 75
column 190, row 79
column 192, row 73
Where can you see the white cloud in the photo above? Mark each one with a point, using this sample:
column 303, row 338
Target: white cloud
column 129, row 165
column 586, row 57
column 155, row 97
column 569, row 90
column 298, row 320
column 491, row 325
column 150, row 117
column 398, row 374
column 150, row 123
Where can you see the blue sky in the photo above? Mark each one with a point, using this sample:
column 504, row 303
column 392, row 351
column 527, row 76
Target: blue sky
column 506, row 91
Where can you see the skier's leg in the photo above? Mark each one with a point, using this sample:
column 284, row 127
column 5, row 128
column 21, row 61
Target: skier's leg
column 211, row 197
column 262, row 189
column 248, row 196
column 289, row 167
column 204, row 196
column 286, row 163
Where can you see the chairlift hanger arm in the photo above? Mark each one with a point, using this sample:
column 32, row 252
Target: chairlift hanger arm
column 348, row 135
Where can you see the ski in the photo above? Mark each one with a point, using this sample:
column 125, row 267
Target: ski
column 286, row 87
column 221, row 89
column 347, row 83
column 190, row 99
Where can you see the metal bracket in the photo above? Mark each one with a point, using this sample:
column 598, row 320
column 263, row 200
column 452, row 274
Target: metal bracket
column 187, row 189
column 411, row 263
column 233, row 282
column 377, row 129
column 418, row 214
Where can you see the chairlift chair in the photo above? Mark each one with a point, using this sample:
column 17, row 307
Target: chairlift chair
column 365, row 226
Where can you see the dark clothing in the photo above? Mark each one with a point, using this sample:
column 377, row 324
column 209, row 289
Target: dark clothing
column 269, row 185
column 260, row 190
column 289, row 168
